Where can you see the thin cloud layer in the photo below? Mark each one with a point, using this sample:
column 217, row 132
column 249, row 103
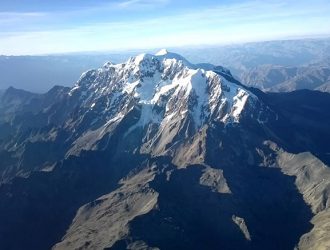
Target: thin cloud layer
column 131, row 24
column 142, row 3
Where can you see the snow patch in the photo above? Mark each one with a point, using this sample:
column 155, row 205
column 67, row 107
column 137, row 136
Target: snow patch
column 130, row 87
column 199, row 84
column 162, row 52
column 147, row 116
column 75, row 87
column 239, row 103
column 139, row 58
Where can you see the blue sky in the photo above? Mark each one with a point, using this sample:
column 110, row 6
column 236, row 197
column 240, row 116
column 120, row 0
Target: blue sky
column 45, row 27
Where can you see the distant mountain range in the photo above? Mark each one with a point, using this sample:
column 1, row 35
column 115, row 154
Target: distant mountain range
column 276, row 78
column 271, row 66
column 159, row 153
column 242, row 57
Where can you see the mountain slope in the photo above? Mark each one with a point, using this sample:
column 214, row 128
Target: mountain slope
column 159, row 153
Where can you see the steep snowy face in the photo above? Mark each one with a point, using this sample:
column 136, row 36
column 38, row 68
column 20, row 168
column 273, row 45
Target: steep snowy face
column 164, row 86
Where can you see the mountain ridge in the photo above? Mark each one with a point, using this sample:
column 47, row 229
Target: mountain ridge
column 155, row 153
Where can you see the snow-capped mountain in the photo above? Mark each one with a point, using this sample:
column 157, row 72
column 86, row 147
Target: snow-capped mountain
column 160, row 153
column 167, row 93
column 160, row 96
column 165, row 85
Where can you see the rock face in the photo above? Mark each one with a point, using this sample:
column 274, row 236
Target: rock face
column 158, row 153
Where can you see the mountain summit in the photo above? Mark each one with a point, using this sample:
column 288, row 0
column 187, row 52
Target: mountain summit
column 162, row 52
column 160, row 153
column 166, row 82
column 167, row 93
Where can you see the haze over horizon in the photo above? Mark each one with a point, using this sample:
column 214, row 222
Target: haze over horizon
column 46, row 27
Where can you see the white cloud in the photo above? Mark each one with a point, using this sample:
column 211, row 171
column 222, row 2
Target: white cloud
column 14, row 17
column 141, row 3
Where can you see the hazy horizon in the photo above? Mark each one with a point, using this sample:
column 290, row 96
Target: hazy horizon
column 170, row 48
column 47, row 27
